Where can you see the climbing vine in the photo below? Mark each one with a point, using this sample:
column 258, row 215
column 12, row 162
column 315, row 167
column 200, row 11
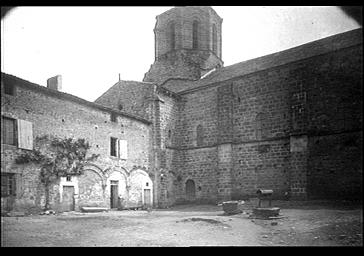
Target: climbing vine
column 57, row 157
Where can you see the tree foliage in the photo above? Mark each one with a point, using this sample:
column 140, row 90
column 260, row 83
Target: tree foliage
column 57, row 157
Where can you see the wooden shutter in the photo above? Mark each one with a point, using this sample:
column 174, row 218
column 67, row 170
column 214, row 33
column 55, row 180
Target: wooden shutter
column 123, row 149
column 25, row 134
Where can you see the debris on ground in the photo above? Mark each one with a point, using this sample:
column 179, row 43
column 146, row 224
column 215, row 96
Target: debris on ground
column 48, row 212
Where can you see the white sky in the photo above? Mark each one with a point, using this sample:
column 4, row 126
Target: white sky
column 90, row 46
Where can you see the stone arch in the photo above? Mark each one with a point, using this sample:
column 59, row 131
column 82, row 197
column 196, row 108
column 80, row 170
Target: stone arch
column 141, row 188
column 122, row 170
column 94, row 168
column 91, row 187
column 190, row 189
column 119, row 177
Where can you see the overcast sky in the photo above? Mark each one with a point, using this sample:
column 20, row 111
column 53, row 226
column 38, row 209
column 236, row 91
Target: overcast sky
column 90, row 46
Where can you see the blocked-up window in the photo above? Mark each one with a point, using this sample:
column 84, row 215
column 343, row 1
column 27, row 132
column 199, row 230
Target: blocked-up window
column 261, row 126
column 8, row 131
column 8, row 186
column 199, row 135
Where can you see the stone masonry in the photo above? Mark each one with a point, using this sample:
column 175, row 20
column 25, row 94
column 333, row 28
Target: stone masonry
column 289, row 121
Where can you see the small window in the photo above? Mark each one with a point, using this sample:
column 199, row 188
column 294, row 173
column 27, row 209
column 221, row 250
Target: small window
column 113, row 146
column 214, row 39
column 68, row 178
column 8, row 131
column 113, row 117
column 9, row 89
column 8, row 187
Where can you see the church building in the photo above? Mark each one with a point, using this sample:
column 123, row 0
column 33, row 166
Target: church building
column 198, row 131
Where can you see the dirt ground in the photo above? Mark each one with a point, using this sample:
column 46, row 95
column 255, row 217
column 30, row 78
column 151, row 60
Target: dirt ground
column 303, row 224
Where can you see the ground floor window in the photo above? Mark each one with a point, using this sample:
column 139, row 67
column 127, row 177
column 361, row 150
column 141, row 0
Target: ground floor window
column 7, row 184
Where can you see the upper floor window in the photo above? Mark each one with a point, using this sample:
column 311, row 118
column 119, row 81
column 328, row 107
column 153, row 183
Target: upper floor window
column 119, row 148
column 8, row 131
column 214, row 39
column 113, row 146
column 172, row 36
column 17, row 132
column 9, row 89
column 112, row 117
column 195, row 35
column 199, row 135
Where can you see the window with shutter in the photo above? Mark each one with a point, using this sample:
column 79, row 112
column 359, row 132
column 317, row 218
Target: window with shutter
column 25, row 135
column 8, row 131
column 113, row 146
column 123, row 147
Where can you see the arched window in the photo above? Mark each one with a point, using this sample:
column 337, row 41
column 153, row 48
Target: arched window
column 172, row 36
column 199, row 135
column 214, row 39
column 195, row 35
column 261, row 126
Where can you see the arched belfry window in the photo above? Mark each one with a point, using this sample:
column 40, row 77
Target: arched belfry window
column 172, row 36
column 199, row 135
column 214, row 39
column 195, row 35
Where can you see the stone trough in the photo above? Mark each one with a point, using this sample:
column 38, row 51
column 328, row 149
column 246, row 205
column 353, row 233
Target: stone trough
column 266, row 213
column 94, row 209
column 231, row 207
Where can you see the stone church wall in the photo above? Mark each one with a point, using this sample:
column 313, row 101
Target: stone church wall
column 276, row 120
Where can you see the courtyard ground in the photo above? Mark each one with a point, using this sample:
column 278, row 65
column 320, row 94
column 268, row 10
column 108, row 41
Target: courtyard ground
column 304, row 224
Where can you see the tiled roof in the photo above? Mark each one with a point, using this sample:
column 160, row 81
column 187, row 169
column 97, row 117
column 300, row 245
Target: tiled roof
column 322, row 46
column 66, row 96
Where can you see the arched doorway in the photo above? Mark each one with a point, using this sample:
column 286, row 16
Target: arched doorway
column 190, row 190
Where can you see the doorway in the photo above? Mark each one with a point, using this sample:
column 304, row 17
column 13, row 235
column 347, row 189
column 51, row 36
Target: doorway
column 68, row 200
column 190, row 190
column 114, row 194
column 147, row 198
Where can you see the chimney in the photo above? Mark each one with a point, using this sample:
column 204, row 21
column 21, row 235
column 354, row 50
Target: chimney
column 55, row 83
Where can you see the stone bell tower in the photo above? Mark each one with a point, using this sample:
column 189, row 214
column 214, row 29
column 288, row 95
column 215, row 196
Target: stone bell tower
column 187, row 44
